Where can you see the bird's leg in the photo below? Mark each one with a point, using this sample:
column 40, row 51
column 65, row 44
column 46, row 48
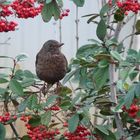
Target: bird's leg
column 45, row 89
column 57, row 91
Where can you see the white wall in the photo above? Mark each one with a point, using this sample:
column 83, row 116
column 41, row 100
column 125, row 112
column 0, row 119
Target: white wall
column 32, row 33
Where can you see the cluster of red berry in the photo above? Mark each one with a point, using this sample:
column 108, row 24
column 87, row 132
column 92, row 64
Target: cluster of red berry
column 132, row 111
column 6, row 25
column 64, row 13
column 40, row 132
column 81, row 133
column 54, row 108
column 129, row 5
column 5, row 11
column 22, row 9
column 7, row 117
column 26, row 8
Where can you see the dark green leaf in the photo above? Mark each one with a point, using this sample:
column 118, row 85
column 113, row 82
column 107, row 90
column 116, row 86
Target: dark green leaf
column 129, row 97
column 2, row 132
column 35, row 121
column 64, row 91
column 22, row 106
column 79, row 3
column 50, row 10
column 98, row 79
column 87, row 50
column 16, row 87
column 102, row 129
column 137, row 90
column 32, row 102
column 3, row 80
column 120, row 104
column 2, row 91
column 66, row 104
column 26, row 137
column 104, row 10
column 68, row 76
column 92, row 18
column 51, row 100
column 21, row 57
column 133, row 75
column 28, row 74
column 27, row 82
column 73, row 122
column 46, row 118
column 101, row 30
column 136, row 137
column 116, row 55
column 137, row 26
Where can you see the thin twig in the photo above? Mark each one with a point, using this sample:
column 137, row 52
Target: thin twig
column 77, row 28
column 133, row 32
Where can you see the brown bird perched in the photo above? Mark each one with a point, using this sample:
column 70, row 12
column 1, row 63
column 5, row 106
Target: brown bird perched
column 51, row 64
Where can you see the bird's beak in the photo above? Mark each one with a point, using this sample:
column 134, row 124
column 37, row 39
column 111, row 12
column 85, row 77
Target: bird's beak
column 61, row 44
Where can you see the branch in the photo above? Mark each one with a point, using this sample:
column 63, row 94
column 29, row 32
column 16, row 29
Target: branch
column 133, row 31
column 113, row 76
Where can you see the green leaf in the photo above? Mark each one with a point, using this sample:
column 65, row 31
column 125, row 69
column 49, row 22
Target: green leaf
column 26, row 137
column 2, row 132
column 64, row 91
column 3, row 80
column 51, row 100
column 137, row 90
column 129, row 97
column 22, row 106
column 136, row 137
column 98, row 79
column 92, row 18
column 79, row 3
column 2, row 90
column 87, row 50
column 68, row 76
column 32, row 102
column 116, row 55
column 27, row 82
column 73, row 123
column 120, row 104
column 48, row 1
column 137, row 26
column 102, row 129
column 21, row 57
column 101, row 30
column 16, row 87
column 60, row 2
column 65, row 105
column 46, row 118
column 35, row 121
column 50, row 10
column 104, row 10
column 28, row 74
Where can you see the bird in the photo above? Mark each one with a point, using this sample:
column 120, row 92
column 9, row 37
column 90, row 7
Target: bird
column 51, row 64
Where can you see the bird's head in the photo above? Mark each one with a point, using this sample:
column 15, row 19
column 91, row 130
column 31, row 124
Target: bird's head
column 52, row 45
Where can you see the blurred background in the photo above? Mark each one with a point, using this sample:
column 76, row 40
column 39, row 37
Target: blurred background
column 32, row 33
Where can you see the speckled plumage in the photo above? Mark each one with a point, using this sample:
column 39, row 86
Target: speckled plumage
column 51, row 64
